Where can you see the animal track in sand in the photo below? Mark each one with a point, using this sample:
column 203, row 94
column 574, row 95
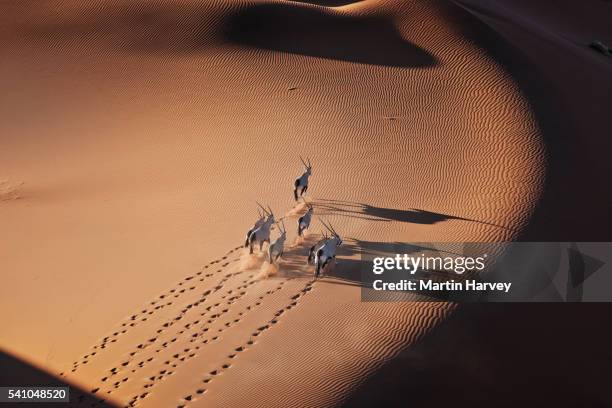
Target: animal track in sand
column 115, row 370
column 169, row 323
column 226, row 365
column 193, row 329
column 133, row 320
column 179, row 358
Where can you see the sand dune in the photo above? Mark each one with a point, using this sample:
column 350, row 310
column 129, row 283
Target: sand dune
column 549, row 56
column 145, row 133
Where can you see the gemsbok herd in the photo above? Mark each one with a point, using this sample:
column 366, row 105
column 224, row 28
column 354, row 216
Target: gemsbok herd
column 320, row 255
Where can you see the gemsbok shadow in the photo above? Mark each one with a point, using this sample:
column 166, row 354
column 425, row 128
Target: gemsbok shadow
column 373, row 213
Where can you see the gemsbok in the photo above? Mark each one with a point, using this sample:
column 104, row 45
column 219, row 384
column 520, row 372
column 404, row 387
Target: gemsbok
column 327, row 252
column 301, row 183
column 304, row 220
column 261, row 234
column 276, row 249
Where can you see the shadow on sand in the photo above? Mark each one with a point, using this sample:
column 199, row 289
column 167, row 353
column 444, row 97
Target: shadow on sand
column 290, row 27
column 294, row 262
column 309, row 31
column 369, row 212
column 502, row 355
column 329, row 3
column 350, row 261
column 15, row 372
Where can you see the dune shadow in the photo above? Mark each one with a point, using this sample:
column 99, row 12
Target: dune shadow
column 329, row 3
column 373, row 213
column 482, row 338
column 317, row 33
column 15, row 372
column 291, row 28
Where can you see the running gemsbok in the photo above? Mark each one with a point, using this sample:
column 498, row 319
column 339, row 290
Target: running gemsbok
column 261, row 234
column 327, row 252
column 315, row 248
column 304, row 220
column 301, row 184
column 260, row 220
column 276, row 249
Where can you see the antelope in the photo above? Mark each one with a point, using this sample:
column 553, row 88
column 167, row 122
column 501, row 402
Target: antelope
column 304, row 220
column 261, row 234
column 260, row 220
column 327, row 252
column 276, row 249
column 301, row 183
column 315, row 248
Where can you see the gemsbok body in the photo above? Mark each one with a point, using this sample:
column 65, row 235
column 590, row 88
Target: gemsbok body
column 258, row 223
column 276, row 249
column 312, row 252
column 261, row 234
column 301, row 183
column 327, row 252
column 304, row 220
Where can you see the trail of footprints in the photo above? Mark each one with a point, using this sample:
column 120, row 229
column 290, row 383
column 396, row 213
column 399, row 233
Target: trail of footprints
column 115, row 371
column 226, row 365
column 177, row 293
column 196, row 330
column 126, row 365
column 189, row 353
column 162, row 301
column 175, row 319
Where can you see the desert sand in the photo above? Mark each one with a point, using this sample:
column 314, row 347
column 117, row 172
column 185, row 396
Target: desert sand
column 136, row 137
